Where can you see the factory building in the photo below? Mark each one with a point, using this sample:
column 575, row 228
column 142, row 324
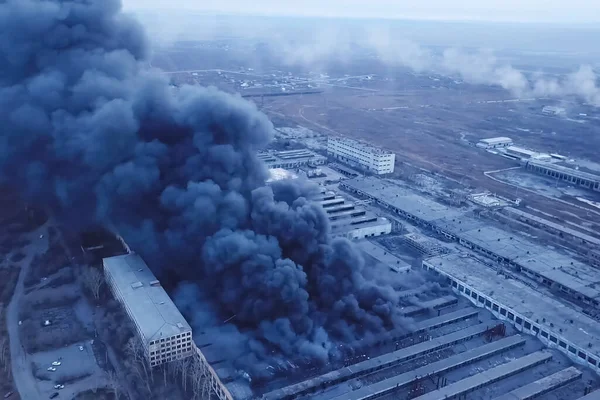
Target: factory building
column 525, row 154
column 291, row 159
column 361, row 155
column 532, row 312
column 352, row 221
column 164, row 333
column 582, row 177
column 549, row 267
column 494, row 143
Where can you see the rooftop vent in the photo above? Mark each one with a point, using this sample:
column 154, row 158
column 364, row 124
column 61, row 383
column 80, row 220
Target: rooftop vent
column 137, row 285
column 155, row 283
column 180, row 325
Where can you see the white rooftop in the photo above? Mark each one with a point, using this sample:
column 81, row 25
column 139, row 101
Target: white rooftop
column 496, row 140
column 362, row 145
column 151, row 308
column 523, row 299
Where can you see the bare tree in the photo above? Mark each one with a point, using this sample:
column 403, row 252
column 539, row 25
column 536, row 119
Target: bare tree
column 135, row 351
column 113, row 383
column 93, row 280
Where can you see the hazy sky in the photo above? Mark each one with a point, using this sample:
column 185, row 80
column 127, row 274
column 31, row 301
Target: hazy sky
column 567, row 11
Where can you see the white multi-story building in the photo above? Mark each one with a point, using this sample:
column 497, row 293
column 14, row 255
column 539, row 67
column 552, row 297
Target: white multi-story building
column 361, row 155
column 164, row 333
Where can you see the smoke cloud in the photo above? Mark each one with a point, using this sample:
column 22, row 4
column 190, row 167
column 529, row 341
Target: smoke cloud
column 471, row 66
column 89, row 131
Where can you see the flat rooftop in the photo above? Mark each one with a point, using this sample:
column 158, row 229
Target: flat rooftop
column 523, row 299
column 151, row 308
column 545, row 261
column 362, row 145
column 404, row 199
column 553, row 225
column 542, row 260
column 586, row 170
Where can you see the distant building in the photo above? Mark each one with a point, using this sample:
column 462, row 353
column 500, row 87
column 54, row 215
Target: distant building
column 361, row 155
column 291, row 159
column 552, row 110
column 164, row 333
column 579, row 176
column 493, row 143
column 525, row 154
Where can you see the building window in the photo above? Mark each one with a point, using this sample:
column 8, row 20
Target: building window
column 495, row 307
column 527, row 325
column 572, row 350
column 592, row 361
column 488, row 304
column 582, row 355
column 536, row 330
column 503, row 311
column 519, row 321
column 562, row 344
column 511, row 316
column 467, row 291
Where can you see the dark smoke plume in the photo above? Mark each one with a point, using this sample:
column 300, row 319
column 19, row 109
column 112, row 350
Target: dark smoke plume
column 91, row 133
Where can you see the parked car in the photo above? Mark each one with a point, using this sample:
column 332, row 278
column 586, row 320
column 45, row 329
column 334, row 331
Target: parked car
column 59, row 386
column 7, row 395
column 56, row 363
column 51, row 369
column 54, row 395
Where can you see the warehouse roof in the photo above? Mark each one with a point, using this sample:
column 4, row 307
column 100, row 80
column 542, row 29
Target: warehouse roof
column 549, row 313
column 570, row 169
column 150, row 307
column 404, row 199
column 539, row 259
column 496, row 140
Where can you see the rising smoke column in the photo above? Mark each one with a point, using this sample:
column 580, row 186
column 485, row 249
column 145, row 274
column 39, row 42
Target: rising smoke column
column 92, row 133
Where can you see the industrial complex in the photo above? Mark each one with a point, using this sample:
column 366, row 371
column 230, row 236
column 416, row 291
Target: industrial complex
column 520, row 314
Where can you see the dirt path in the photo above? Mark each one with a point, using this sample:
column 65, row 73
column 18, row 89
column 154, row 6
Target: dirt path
column 25, row 382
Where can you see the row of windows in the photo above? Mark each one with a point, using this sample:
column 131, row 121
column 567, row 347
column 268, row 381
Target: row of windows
column 163, row 355
column 528, row 325
column 172, row 348
column 183, row 336
column 566, row 177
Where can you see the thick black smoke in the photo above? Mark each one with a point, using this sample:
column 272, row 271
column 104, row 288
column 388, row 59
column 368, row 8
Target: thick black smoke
column 90, row 132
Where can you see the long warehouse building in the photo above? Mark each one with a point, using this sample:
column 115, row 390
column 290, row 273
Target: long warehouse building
column 532, row 312
column 547, row 266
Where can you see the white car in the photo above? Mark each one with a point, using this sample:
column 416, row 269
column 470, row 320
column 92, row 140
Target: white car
column 51, row 369
column 59, row 386
column 56, row 363
column 80, row 348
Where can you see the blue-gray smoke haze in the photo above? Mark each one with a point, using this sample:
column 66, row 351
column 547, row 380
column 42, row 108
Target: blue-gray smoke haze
column 93, row 134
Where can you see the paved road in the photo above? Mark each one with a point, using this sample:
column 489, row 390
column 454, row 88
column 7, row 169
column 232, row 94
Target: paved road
column 24, row 380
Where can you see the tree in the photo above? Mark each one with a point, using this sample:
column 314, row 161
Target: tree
column 93, row 280
column 113, row 383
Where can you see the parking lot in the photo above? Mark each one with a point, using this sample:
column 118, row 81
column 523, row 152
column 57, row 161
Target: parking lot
column 78, row 370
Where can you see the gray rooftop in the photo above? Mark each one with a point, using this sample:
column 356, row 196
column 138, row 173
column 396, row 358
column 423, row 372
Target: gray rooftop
column 150, row 306
column 558, row 227
column 405, row 199
column 567, row 168
column 522, row 298
column 542, row 260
